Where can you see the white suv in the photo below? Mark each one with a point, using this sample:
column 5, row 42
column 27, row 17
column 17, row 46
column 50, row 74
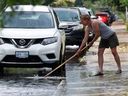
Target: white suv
column 30, row 37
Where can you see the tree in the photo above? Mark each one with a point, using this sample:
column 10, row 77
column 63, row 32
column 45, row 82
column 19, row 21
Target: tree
column 2, row 5
column 61, row 3
column 48, row 2
column 13, row 2
column 79, row 2
column 124, row 2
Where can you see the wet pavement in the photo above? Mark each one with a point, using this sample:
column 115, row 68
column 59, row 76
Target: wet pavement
column 80, row 80
column 20, row 86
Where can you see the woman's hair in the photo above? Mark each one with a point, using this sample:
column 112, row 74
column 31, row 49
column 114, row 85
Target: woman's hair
column 85, row 17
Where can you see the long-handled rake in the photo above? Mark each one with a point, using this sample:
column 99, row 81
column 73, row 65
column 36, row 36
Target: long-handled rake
column 46, row 76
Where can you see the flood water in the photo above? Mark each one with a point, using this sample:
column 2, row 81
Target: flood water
column 19, row 85
column 82, row 82
column 79, row 78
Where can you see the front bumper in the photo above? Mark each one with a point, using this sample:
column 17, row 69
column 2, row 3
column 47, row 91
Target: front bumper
column 73, row 40
column 38, row 54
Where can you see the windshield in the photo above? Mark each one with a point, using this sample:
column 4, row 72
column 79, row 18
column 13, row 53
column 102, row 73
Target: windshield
column 68, row 15
column 91, row 13
column 27, row 20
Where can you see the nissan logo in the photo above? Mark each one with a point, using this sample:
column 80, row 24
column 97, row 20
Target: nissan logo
column 22, row 42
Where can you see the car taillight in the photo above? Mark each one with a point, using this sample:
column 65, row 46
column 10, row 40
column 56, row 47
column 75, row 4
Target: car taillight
column 103, row 18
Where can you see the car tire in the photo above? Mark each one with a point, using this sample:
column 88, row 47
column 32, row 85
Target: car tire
column 60, row 71
column 1, row 71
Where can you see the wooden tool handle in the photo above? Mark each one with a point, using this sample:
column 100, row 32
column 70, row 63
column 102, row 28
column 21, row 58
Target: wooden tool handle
column 63, row 63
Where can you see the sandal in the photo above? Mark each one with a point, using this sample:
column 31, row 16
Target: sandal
column 99, row 74
column 119, row 72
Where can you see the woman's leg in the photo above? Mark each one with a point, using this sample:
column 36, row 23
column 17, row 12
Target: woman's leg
column 117, row 58
column 101, row 59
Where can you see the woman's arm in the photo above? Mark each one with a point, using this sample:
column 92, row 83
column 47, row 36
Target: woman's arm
column 84, row 41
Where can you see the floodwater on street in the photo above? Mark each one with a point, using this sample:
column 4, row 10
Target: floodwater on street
column 82, row 82
column 20, row 85
column 80, row 79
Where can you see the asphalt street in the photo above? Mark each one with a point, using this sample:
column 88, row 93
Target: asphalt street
column 80, row 80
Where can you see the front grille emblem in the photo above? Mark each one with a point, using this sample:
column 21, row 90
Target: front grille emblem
column 22, row 42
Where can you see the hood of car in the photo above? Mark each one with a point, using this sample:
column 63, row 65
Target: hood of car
column 66, row 25
column 70, row 23
column 27, row 33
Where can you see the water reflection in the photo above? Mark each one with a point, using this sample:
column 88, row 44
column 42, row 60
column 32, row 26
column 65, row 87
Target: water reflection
column 17, row 85
column 82, row 82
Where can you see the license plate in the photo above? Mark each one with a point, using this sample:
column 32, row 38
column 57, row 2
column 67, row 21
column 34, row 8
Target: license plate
column 22, row 54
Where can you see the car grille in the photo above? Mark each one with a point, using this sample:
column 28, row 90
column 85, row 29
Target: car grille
column 22, row 43
column 13, row 58
column 69, row 28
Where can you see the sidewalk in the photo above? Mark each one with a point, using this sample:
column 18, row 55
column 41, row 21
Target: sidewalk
column 119, row 26
column 120, row 29
column 82, row 82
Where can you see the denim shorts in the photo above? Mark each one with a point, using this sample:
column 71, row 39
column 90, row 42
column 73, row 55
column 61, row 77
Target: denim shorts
column 111, row 42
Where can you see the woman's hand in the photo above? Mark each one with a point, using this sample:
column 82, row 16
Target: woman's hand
column 78, row 53
column 90, row 44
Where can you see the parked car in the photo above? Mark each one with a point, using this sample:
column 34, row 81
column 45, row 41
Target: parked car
column 74, row 30
column 30, row 37
column 71, row 18
column 104, row 17
column 90, row 12
column 112, row 16
column 84, row 10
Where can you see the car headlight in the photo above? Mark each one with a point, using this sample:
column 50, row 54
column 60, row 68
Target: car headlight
column 77, row 27
column 1, row 41
column 50, row 40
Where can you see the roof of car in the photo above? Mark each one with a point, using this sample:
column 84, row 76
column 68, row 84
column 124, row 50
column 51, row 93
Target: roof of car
column 28, row 8
column 64, row 8
column 83, row 10
column 101, row 12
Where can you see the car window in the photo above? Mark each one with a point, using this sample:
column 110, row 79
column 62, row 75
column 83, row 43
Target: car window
column 91, row 13
column 68, row 15
column 83, row 11
column 28, row 20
